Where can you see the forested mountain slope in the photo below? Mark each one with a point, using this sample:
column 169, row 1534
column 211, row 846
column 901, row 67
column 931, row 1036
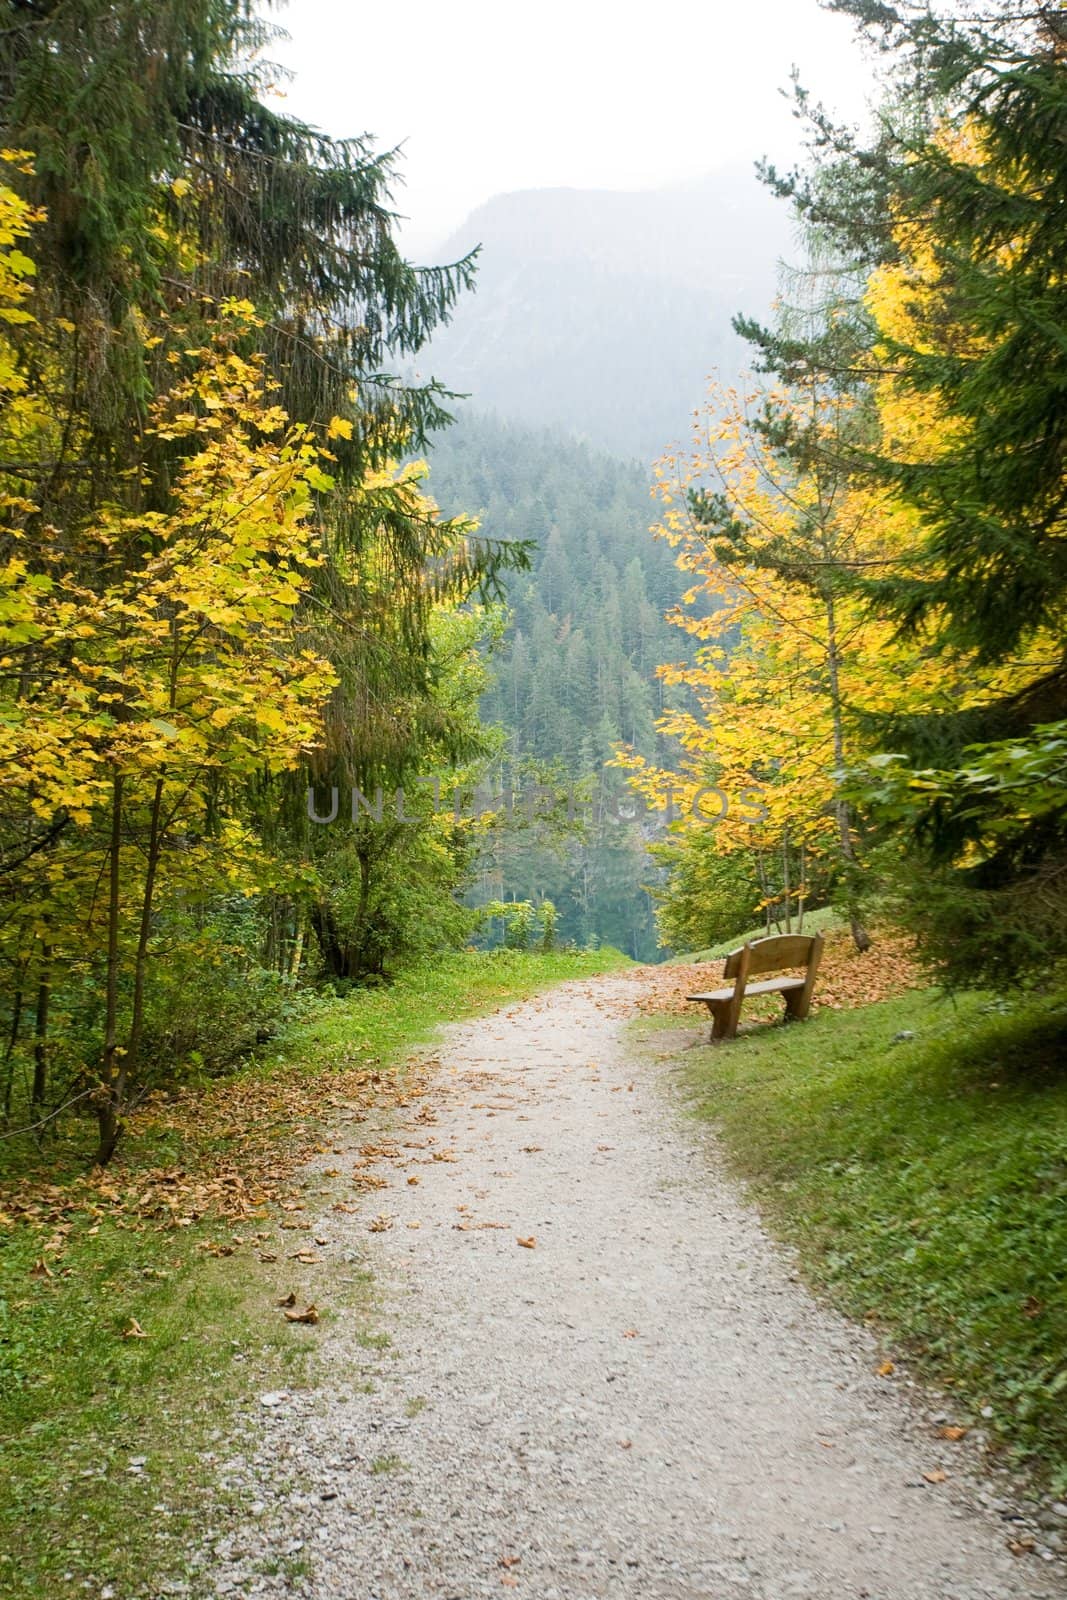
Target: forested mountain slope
column 575, row 674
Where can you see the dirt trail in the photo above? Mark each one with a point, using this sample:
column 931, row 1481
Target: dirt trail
column 645, row 1403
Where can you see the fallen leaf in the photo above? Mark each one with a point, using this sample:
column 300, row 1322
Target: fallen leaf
column 528, row 1244
column 1020, row 1547
column 267, row 1255
column 41, row 1269
column 381, row 1224
column 509, row 1561
column 631, row 1333
column 937, row 1475
column 952, row 1432
column 134, row 1330
column 412, row 1181
column 309, row 1315
column 887, row 1369
column 1032, row 1306
column 626, row 1444
column 290, row 1300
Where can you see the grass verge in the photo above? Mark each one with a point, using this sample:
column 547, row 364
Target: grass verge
column 915, row 1154
column 129, row 1327
column 820, row 921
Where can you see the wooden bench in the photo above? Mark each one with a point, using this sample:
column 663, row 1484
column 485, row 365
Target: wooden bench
column 764, row 955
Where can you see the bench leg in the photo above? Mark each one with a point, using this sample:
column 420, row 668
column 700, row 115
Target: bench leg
column 797, row 1005
column 723, row 1020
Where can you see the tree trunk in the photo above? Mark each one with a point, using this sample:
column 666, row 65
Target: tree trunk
column 298, row 951
column 112, row 1082
column 333, row 952
column 140, row 970
column 40, row 1032
column 802, row 894
column 860, row 937
column 787, row 887
column 9, row 1053
column 762, row 870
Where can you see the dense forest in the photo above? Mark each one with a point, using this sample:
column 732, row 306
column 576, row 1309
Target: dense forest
column 221, row 596
column 874, row 527
column 574, row 674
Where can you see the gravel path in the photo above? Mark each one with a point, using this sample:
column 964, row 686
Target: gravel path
column 645, row 1403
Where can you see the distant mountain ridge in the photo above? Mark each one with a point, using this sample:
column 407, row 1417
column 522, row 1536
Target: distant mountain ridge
column 603, row 312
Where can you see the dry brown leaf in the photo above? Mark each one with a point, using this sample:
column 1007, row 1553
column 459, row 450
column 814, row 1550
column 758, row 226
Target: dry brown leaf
column 41, row 1269
column 365, row 1181
column 412, row 1181
column 528, row 1244
column 310, row 1315
column 935, row 1475
column 953, row 1432
column 134, row 1330
column 887, row 1369
column 381, row 1224
column 289, row 1300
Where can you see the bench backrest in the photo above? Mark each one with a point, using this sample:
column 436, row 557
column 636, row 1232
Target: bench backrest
column 771, row 955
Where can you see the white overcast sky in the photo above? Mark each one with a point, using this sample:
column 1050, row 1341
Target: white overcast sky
column 488, row 96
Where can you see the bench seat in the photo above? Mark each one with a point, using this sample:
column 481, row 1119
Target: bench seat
column 767, row 986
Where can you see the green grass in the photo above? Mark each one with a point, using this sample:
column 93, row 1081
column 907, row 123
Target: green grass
column 80, row 1403
column 814, row 922
column 924, row 1184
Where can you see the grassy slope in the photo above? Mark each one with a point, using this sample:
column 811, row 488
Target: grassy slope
column 80, row 1403
column 814, row 922
column 924, row 1183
